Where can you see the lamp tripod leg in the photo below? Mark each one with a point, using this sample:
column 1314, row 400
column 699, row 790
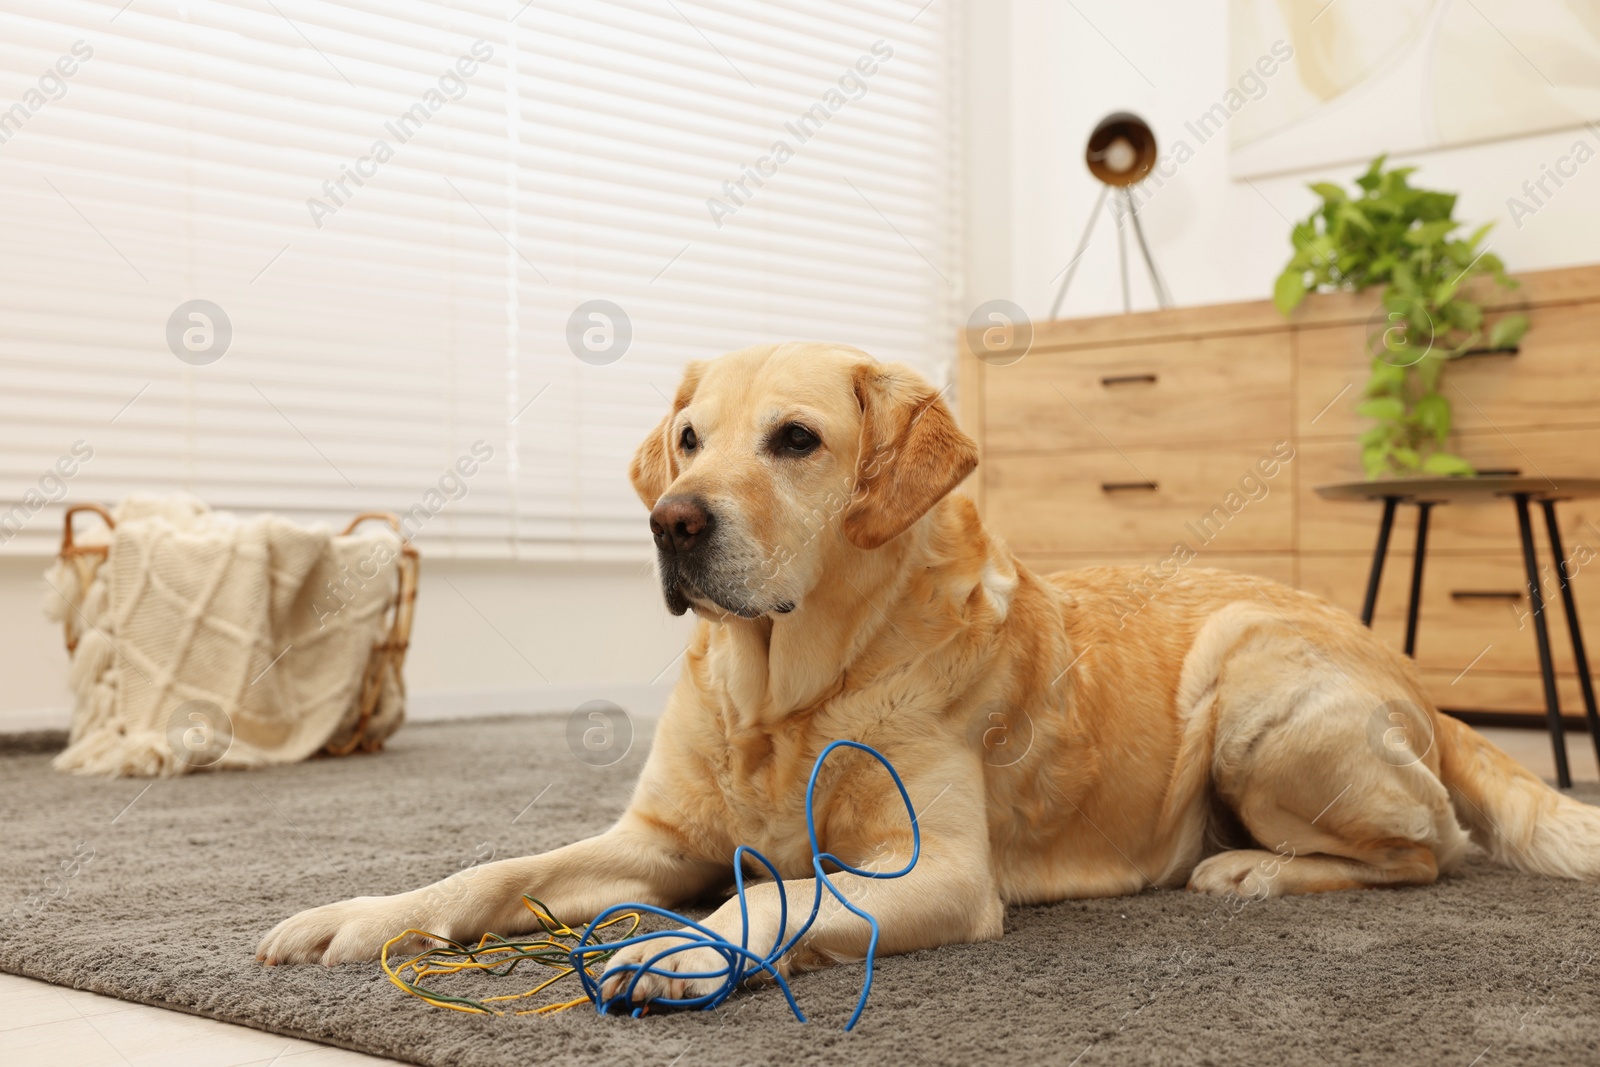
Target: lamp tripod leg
column 1083, row 246
column 1122, row 252
column 1163, row 298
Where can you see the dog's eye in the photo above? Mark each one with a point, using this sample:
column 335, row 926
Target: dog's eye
column 797, row 440
column 687, row 440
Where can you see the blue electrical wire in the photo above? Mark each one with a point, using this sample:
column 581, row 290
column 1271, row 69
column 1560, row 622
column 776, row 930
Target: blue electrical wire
column 742, row 961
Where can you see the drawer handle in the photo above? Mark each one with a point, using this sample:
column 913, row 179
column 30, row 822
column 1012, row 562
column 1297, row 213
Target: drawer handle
column 1485, row 350
column 1500, row 472
column 1127, row 379
column 1129, row 487
column 1485, row 594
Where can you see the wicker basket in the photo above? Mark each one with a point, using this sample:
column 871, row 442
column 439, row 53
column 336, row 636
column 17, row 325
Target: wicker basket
column 390, row 653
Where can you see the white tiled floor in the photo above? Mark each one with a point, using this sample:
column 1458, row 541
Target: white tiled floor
column 42, row 1023
column 47, row 1024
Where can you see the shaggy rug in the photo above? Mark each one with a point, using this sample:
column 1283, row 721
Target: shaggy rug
column 157, row 892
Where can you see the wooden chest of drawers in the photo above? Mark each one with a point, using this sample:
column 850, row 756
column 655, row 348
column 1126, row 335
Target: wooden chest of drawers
column 1115, row 438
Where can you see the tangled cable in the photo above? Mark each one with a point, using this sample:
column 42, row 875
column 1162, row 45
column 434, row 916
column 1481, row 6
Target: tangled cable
column 742, row 961
column 498, row 956
column 568, row 952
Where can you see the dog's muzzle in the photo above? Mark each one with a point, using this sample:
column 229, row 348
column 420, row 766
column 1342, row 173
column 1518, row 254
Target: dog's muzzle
column 693, row 564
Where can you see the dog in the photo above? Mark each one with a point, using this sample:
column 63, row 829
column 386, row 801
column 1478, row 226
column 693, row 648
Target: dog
column 1234, row 736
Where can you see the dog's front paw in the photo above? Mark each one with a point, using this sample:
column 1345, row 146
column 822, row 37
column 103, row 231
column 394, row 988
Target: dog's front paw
column 689, row 972
column 349, row 931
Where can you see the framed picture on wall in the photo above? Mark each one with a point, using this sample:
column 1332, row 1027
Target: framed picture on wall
column 1371, row 76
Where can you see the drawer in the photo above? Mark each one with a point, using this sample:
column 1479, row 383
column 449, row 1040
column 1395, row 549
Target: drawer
column 1275, row 566
column 1474, row 609
column 1505, row 691
column 1193, row 391
column 1136, row 503
column 1335, row 526
column 1553, row 380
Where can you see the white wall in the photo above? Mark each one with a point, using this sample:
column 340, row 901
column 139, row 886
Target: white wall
column 1042, row 73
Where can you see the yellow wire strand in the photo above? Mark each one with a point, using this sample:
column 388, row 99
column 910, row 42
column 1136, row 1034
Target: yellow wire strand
column 493, row 951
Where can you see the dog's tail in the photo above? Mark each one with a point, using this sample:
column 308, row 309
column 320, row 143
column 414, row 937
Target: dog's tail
column 1511, row 814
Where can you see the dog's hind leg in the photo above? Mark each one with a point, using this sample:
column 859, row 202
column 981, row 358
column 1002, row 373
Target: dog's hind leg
column 1326, row 753
column 1356, row 865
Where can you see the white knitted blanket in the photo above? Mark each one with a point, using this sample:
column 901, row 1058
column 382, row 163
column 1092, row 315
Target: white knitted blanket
column 210, row 641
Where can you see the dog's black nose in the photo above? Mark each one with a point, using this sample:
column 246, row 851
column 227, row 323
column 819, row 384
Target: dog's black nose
column 679, row 524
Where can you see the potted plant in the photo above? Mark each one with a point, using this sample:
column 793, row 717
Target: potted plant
column 1387, row 232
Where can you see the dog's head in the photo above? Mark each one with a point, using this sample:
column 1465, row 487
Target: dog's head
column 776, row 462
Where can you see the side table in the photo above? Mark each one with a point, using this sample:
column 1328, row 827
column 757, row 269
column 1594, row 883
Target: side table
column 1428, row 493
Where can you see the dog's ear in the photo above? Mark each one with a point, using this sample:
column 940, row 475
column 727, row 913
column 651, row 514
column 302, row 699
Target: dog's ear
column 655, row 464
column 912, row 454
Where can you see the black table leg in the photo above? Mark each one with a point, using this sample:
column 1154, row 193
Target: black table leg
column 1423, row 508
column 1552, row 702
column 1569, row 601
column 1376, row 574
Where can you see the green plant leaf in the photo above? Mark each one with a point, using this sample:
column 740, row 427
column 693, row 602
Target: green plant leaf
column 1508, row 331
column 1289, row 289
column 1371, row 179
column 1405, row 280
column 1387, row 379
column 1374, row 436
column 1328, row 191
column 1428, row 369
column 1477, row 235
column 1432, row 414
column 1423, row 327
column 1393, row 182
column 1382, row 205
column 1352, row 214
column 1406, row 459
column 1431, row 206
column 1375, row 461
column 1397, row 346
column 1448, row 464
column 1382, row 408
column 1430, row 233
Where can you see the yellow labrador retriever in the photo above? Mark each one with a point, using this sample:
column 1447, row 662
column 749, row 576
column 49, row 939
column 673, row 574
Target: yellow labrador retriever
column 1234, row 735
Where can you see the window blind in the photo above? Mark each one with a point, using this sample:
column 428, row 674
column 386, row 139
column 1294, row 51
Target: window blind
column 443, row 259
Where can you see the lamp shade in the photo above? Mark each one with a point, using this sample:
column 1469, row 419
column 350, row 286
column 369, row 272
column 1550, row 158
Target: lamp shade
column 1122, row 149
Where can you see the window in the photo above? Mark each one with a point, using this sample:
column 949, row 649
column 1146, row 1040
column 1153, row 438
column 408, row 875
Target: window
column 423, row 257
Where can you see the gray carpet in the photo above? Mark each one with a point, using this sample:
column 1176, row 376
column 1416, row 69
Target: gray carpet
column 1488, row 967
